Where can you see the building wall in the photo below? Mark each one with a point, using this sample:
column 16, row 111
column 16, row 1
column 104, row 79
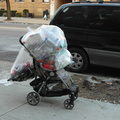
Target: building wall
column 36, row 7
column 2, row 4
column 55, row 4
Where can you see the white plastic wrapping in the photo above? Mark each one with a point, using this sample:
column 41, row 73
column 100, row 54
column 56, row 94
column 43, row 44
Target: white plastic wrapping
column 62, row 59
column 44, row 41
column 55, row 35
column 47, row 45
column 22, row 61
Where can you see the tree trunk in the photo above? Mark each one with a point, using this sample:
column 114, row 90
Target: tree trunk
column 8, row 10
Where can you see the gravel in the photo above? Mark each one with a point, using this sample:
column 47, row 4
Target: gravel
column 107, row 90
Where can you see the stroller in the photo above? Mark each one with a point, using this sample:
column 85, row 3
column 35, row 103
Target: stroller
column 47, row 58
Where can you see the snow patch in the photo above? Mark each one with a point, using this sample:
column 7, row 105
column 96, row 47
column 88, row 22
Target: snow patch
column 5, row 82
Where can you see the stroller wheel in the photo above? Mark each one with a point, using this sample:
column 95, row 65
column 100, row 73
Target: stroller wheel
column 33, row 98
column 68, row 105
column 75, row 97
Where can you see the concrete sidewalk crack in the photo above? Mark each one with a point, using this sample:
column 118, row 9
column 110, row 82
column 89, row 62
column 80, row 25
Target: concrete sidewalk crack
column 13, row 109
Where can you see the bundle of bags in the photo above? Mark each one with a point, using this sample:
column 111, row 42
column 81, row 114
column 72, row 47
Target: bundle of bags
column 47, row 45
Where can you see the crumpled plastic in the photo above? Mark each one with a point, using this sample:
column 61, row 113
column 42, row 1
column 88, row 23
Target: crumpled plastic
column 47, row 45
column 23, row 59
column 62, row 59
column 44, row 41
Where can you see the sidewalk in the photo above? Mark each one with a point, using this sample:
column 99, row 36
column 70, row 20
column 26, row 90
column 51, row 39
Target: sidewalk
column 13, row 104
column 25, row 20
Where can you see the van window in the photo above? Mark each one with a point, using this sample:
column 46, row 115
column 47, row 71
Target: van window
column 105, row 18
column 74, row 16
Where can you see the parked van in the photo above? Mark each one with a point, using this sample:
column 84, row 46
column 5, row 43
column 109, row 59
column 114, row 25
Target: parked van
column 92, row 31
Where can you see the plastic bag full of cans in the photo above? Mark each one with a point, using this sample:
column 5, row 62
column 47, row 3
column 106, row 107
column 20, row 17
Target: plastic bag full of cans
column 47, row 45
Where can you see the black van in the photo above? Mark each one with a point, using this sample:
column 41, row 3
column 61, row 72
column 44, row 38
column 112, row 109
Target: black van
column 92, row 31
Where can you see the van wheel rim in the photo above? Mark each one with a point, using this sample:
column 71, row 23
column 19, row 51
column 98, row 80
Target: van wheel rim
column 78, row 61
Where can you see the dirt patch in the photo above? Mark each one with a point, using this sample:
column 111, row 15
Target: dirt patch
column 98, row 89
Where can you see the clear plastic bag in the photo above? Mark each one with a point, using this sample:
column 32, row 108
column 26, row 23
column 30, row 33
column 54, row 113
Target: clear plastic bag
column 63, row 58
column 55, row 35
column 44, row 41
column 47, row 45
column 22, row 62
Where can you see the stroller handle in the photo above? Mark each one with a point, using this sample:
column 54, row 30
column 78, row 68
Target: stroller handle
column 21, row 41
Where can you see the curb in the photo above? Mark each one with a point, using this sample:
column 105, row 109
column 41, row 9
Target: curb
column 34, row 21
column 24, row 23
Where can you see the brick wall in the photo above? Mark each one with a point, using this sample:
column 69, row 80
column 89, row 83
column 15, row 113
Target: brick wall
column 36, row 7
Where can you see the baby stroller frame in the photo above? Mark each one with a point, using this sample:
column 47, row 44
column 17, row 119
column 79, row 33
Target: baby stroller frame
column 44, row 82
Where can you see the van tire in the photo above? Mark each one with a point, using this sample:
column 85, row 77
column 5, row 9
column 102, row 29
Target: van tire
column 81, row 60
